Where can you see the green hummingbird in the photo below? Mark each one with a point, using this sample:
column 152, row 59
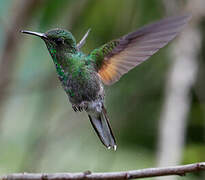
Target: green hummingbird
column 82, row 76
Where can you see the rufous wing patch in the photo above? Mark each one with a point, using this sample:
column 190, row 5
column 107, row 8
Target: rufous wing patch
column 136, row 47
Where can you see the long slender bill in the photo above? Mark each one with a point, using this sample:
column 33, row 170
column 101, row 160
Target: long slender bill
column 42, row 35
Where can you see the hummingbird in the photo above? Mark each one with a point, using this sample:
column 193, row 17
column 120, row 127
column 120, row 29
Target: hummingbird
column 83, row 76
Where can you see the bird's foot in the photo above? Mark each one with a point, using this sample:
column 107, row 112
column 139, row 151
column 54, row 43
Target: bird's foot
column 80, row 107
column 84, row 105
column 75, row 108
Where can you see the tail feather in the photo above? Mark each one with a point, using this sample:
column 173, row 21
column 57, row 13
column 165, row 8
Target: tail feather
column 100, row 123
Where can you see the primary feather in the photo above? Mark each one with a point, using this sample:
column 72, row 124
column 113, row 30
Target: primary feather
column 119, row 56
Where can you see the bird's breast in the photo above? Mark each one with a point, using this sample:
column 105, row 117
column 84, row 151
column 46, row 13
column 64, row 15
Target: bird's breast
column 82, row 85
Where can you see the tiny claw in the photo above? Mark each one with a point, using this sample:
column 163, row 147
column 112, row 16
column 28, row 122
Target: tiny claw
column 74, row 108
column 79, row 109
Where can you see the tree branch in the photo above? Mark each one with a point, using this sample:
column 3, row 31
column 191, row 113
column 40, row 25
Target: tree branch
column 142, row 173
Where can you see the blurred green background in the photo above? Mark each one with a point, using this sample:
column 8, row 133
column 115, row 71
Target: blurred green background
column 39, row 131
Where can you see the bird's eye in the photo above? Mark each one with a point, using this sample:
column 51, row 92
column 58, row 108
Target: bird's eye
column 59, row 41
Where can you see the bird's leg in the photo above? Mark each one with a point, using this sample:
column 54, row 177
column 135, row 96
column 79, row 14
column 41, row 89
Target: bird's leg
column 74, row 107
column 80, row 107
column 84, row 105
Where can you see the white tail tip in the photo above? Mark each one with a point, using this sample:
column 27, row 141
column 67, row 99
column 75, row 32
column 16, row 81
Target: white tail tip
column 114, row 147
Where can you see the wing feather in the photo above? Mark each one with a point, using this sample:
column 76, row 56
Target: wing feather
column 119, row 56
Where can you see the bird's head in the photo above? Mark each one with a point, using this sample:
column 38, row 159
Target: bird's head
column 56, row 39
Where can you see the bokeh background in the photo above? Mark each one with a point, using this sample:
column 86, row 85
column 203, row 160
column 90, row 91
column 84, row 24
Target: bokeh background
column 157, row 110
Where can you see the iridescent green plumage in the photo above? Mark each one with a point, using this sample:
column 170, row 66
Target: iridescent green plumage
column 103, row 51
column 82, row 75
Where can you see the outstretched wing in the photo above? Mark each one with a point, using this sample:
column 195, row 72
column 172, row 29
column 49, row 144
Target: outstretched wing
column 119, row 56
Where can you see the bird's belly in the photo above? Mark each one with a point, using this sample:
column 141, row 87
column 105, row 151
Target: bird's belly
column 83, row 88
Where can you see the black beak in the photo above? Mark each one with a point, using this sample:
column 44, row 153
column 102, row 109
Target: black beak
column 41, row 35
